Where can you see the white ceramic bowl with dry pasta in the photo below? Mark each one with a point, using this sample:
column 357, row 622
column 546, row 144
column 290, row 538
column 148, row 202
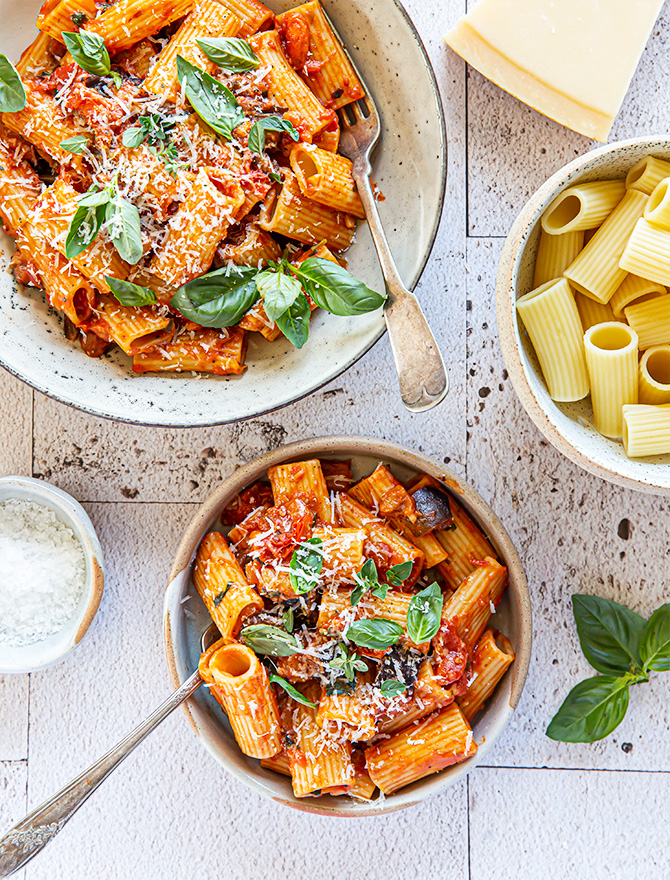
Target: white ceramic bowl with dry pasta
column 291, row 770
column 584, row 311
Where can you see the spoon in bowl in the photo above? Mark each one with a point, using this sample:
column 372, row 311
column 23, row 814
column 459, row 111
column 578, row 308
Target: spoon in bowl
column 29, row 836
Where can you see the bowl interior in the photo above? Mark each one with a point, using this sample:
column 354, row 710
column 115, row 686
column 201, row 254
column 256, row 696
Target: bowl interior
column 569, row 426
column 186, row 619
column 39, row 655
column 410, row 170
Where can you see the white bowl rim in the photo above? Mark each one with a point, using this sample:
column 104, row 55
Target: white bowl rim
column 76, row 518
column 413, row 281
column 384, row 449
column 507, row 323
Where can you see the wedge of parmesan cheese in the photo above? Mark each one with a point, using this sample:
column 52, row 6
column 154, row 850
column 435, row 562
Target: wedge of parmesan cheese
column 572, row 60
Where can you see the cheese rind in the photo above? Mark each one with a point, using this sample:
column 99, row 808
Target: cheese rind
column 571, row 60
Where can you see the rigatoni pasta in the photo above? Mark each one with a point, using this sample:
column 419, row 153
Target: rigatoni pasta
column 612, row 359
column 584, row 206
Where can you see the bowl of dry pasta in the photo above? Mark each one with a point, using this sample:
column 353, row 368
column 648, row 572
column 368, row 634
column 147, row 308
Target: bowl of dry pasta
column 374, row 626
column 583, row 308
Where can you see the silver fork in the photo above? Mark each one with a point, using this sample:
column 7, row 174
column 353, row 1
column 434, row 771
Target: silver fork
column 421, row 373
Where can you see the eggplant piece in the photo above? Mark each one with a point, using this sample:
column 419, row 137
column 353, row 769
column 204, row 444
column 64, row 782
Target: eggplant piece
column 400, row 664
column 433, row 510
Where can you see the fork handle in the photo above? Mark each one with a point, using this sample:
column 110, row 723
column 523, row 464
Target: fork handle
column 421, row 372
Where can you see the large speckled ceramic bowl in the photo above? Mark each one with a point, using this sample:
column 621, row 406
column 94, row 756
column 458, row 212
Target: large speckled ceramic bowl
column 569, row 426
column 409, row 169
column 186, row 618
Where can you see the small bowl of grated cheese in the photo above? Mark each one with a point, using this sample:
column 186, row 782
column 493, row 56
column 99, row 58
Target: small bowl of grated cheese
column 51, row 574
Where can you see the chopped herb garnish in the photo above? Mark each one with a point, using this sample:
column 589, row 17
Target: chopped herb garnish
column 306, row 564
column 348, row 664
column 293, row 692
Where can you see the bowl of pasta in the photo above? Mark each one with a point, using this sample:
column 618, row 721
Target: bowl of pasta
column 174, row 205
column 583, row 303
column 374, row 622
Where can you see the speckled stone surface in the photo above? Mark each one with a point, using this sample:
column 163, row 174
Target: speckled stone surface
column 539, row 809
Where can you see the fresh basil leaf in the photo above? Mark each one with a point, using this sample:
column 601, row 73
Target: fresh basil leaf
column 655, row 641
column 294, row 693
column 270, row 640
column 89, row 51
column 125, row 229
column 94, row 197
column 398, row 574
column 591, row 711
column 294, row 323
column 277, row 178
column 229, row 53
column 217, row 299
column 279, row 292
column 287, row 620
column 133, row 137
column 424, row 614
column 348, row 663
column 78, row 19
column 357, row 594
column 306, row 564
column 75, row 144
column 129, row 294
column 334, row 289
column 84, row 227
column 392, row 688
column 376, row 633
column 12, row 93
column 269, row 123
column 212, row 101
column 116, row 76
column 609, row 633
column 366, row 579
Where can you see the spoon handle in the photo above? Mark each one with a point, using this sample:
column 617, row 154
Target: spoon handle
column 21, row 843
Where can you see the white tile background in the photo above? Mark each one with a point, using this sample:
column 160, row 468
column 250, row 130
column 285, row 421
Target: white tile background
column 540, row 809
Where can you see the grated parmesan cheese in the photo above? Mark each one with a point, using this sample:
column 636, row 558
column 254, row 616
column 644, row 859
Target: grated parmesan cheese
column 42, row 570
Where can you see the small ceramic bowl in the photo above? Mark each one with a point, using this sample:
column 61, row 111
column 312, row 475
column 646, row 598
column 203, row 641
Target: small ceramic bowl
column 186, row 618
column 569, row 426
column 39, row 655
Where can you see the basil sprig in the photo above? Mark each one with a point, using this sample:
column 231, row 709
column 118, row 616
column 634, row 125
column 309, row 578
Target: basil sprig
column 293, row 692
column 12, row 93
column 279, row 292
column 270, row 640
column 376, row 633
column 214, row 103
column 306, row 564
column 129, row 294
column 269, row 123
column 398, row 574
column 335, row 290
column 367, row 579
column 155, row 130
column 425, row 614
column 218, row 299
column 90, row 52
column 75, row 144
column 392, row 687
column 347, row 664
column 624, row 647
column 121, row 216
column 229, row 53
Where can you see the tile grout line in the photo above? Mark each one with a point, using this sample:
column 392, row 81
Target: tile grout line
column 467, row 806
column 570, row 769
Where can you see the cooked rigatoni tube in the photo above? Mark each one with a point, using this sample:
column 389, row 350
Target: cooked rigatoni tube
column 361, row 786
column 54, row 18
column 552, row 320
column 646, row 430
column 463, row 542
column 657, row 211
column 490, row 660
column 220, row 352
column 20, row 186
column 632, row 289
column 554, row 255
column 243, row 688
column 468, row 610
column 596, row 271
column 198, row 226
column 383, row 541
column 428, row 695
column 37, row 58
column 381, row 491
column 583, row 206
column 302, row 477
column 332, row 77
column 277, row 763
column 647, row 253
column 286, row 88
column 611, row 355
column 342, row 552
column 222, row 586
column 654, row 376
column 443, row 739
column 592, row 312
column 393, row 606
column 208, row 18
column 133, row 329
column 651, row 321
column 253, row 15
column 349, row 716
column 290, row 213
column 255, row 247
column 318, row 759
column 326, row 178
column 129, row 21
column 646, row 174
column 43, row 124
